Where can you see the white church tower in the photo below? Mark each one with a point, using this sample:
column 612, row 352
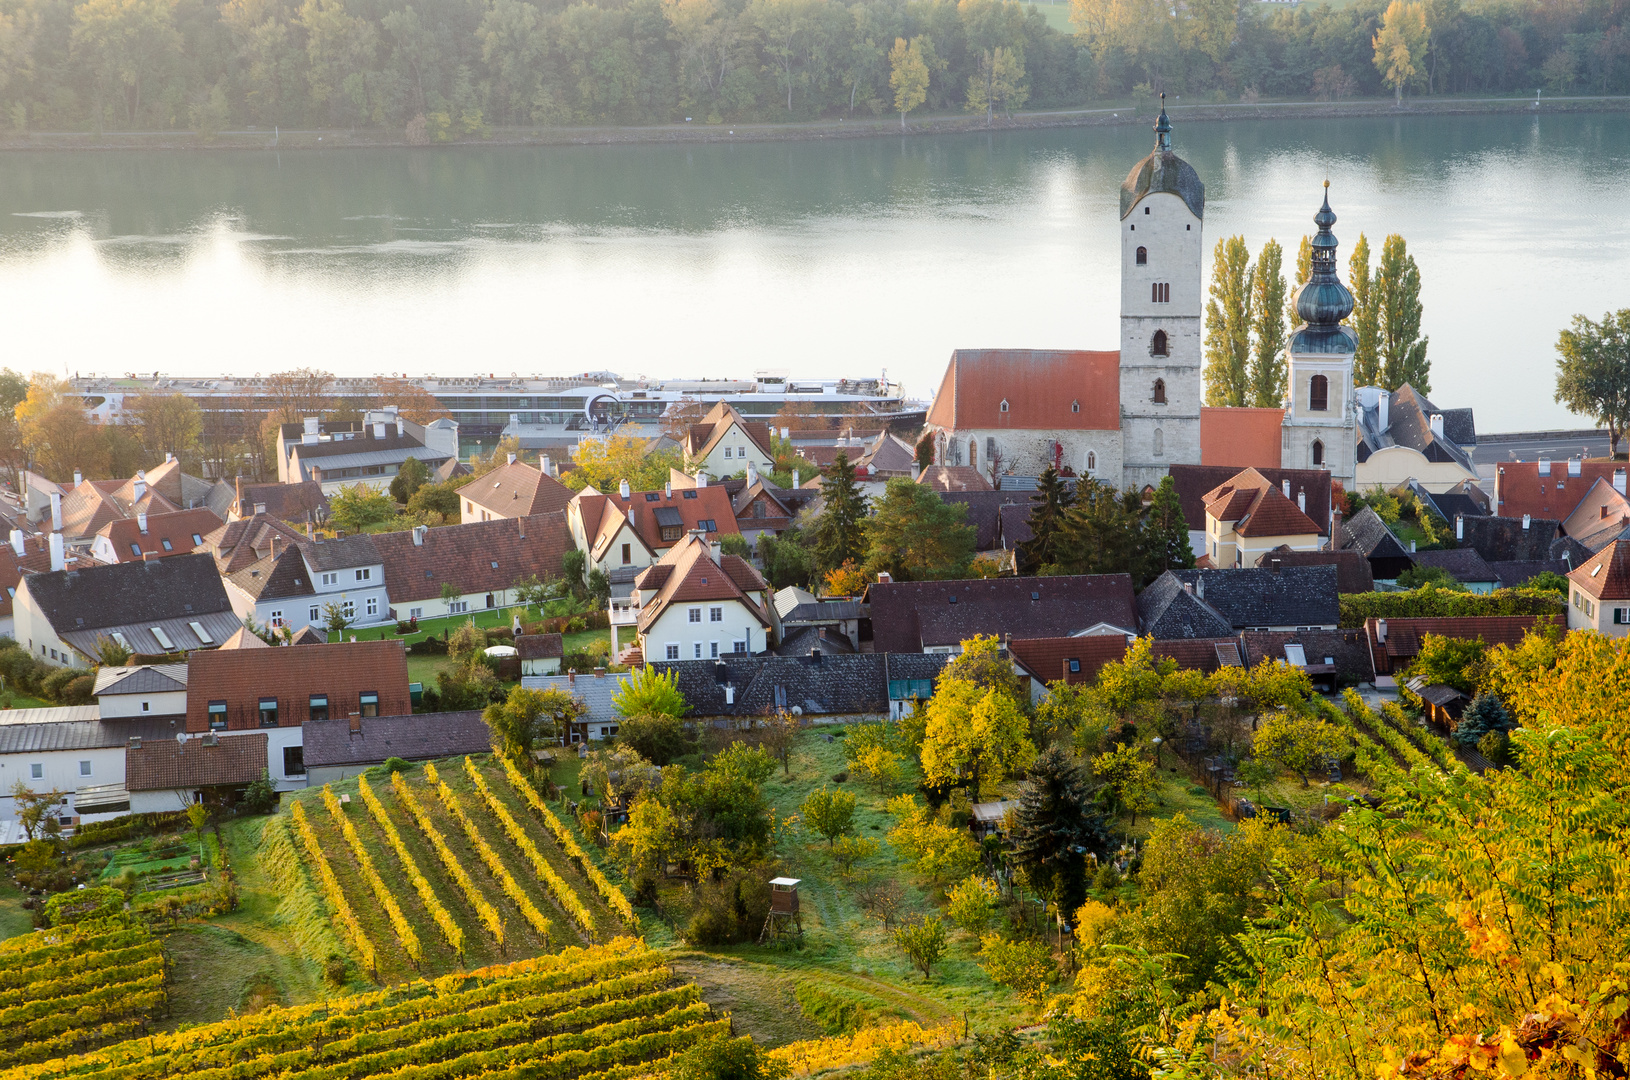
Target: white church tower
column 1162, row 209
column 1319, row 429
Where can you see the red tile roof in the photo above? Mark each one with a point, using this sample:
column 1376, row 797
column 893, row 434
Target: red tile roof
column 1040, row 387
column 1050, row 659
column 1258, row 507
column 702, row 437
column 602, row 514
column 954, row 478
column 242, row 543
column 179, row 528
column 1404, row 636
column 1520, row 489
column 517, row 490
column 1607, row 575
column 242, row 677
column 224, row 761
column 464, row 556
column 1194, row 482
column 688, row 574
column 1241, row 438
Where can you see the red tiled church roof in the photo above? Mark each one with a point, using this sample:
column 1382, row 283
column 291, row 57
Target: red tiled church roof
column 1045, row 390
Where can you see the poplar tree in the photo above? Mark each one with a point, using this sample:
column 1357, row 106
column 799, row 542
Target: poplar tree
column 1365, row 318
column 1268, row 303
column 1228, row 324
column 1053, row 498
column 1304, row 270
column 1397, row 298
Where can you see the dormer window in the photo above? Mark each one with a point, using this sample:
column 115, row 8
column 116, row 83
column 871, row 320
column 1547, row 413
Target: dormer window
column 1004, row 404
column 1075, row 406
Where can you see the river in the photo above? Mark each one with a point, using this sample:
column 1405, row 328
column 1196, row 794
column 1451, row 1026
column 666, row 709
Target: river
column 830, row 257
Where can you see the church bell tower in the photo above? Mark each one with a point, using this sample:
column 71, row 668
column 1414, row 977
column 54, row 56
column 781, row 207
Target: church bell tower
column 1320, row 423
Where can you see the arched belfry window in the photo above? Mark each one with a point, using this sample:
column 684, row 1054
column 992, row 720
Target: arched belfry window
column 1318, row 448
column 1143, row 256
column 1160, row 443
column 1160, row 391
column 1318, row 394
column 1158, row 347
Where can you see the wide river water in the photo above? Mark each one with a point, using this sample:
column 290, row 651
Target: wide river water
column 828, row 257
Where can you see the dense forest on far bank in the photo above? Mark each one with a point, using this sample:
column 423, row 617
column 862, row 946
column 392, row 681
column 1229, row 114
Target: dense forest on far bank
column 435, row 69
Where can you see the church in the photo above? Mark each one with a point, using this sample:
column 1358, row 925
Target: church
column 1125, row 417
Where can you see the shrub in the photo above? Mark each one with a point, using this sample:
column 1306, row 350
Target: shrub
column 973, row 902
column 659, row 739
column 54, row 684
column 924, row 943
column 730, row 910
column 466, row 641
column 1429, row 601
column 396, row 765
column 430, row 646
column 260, row 796
column 727, row 1059
column 1025, row 967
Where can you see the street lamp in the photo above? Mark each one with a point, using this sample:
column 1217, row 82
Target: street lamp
column 1156, row 741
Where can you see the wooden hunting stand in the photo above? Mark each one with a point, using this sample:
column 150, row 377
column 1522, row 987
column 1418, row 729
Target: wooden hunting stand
column 784, row 920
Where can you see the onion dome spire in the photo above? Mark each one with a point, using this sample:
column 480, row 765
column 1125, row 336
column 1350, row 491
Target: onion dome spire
column 1323, row 302
column 1163, row 128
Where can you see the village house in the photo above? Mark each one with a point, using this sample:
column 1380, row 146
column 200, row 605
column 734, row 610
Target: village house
column 724, row 443
column 72, row 750
column 470, row 567
column 1550, row 489
column 335, row 751
column 1599, row 591
column 29, row 554
column 1308, row 488
column 594, row 692
column 166, row 775
column 696, row 604
column 511, row 491
column 302, row 502
column 1248, row 516
column 142, row 691
column 1218, row 603
column 938, row 616
column 540, row 654
column 339, row 455
column 626, row 531
column 1394, row 643
column 153, row 536
column 1402, row 436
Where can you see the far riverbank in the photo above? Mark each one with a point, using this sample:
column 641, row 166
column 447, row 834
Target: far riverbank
column 1112, row 115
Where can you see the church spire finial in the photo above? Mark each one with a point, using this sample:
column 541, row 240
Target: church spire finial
column 1163, row 128
column 1324, row 301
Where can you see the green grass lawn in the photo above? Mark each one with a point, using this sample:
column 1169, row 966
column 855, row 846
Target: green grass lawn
column 14, row 919
column 23, row 701
column 485, row 618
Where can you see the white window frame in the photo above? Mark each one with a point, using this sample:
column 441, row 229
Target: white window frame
column 84, row 767
column 457, row 607
column 36, row 770
column 715, row 614
column 671, row 650
column 695, row 615
column 331, row 579
column 274, row 617
column 316, row 612
column 365, row 574
column 696, row 650
column 373, row 605
column 350, row 609
column 415, row 612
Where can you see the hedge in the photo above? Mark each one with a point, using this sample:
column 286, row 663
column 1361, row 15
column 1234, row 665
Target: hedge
column 1431, row 602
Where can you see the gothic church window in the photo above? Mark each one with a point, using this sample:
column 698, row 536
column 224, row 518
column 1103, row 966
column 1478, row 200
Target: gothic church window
column 1318, row 449
column 1075, row 406
column 1160, row 443
column 1318, row 394
column 973, row 452
column 1158, row 347
column 1160, row 391
column 1092, row 461
column 1143, row 256
column 1160, row 292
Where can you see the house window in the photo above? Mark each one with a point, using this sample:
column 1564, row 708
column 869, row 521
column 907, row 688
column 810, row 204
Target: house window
column 628, row 554
column 695, row 614
column 1160, row 292
column 1075, row 406
column 275, row 617
column 135, row 549
column 990, row 448
column 319, row 707
column 331, row 579
column 217, row 716
column 738, row 648
column 713, row 650
column 671, row 532
column 1158, row 348
column 415, row 612
column 696, row 651
column 672, row 652
column 1160, row 442
column 268, row 712
column 350, row 609
column 166, row 545
column 84, row 768
column 1004, row 404
column 1318, row 394
column 315, row 614
column 1143, row 256
column 489, row 601
column 1318, row 452
column 294, row 761
column 1075, row 666
column 715, row 614
column 370, row 703
column 197, row 539
column 36, row 771
column 1621, row 615
column 373, row 605
column 1160, row 390
column 147, row 706
column 707, row 524
column 458, row 607
column 364, row 574
column 727, row 452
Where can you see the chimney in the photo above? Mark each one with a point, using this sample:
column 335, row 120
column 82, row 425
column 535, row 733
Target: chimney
column 1381, row 630
column 1618, row 481
column 571, row 675
column 1412, row 543
column 729, row 694
column 1460, row 526
column 135, row 742
column 1545, row 466
column 271, row 545
column 1526, row 518
column 815, row 657
column 79, row 478
column 1274, row 563
column 309, row 434
column 57, row 561
column 668, row 490
column 511, row 459
column 56, row 511
column 797, row 481
column 260, row 508
column 237, row 494
column 752, row 474
column 356, row 723
column 1383, row 402
column 701, row 479
column 599, row 673
column 546, row 467
column 1284, row 485
column 401, row 427
column 786, row 433
column 1200, row 586
column 418, row 534
column 139, row 486
column 141, row 522
column 1576, row 466
column 1301, row 500
column 514, row 419
column 713, row 550
column 18, row 543
column 1437, row 424
column 622, row 488
column 151, row 556
column 916, row 473
column 379, row 429
column 884, row 577
column 1188, row 587
column 168, row 457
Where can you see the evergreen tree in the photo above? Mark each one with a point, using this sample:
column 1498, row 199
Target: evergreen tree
column 925, row 451
column 1056, row 825
column 1486, row 713
column 1365, row 318
column 1100, row 531
column 1268, row 303
column 1048, row 505
column 839, row 532
column 1228, row 324
column 1401, row 348
column 916, row 536
column 1164, row 542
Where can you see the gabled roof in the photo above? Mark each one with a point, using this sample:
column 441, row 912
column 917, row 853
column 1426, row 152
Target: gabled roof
column 687, row 574
column 1404, row 636
column 603, row 515
column 241, row 677
column 702, row 437
column 1194, row 482
column 94, row 503
column 887, row 455
column 1348, row 650
column 36, row 559
column 1504, row 539
column 286, row 502
column 1352, row 569
column 340, row 553
column 1241, row 437
column 418, row 564
column 244, row 639
column 1257, row 507
column 1292, row 596
column 805, row 640
column 424, row 737
column 275, row 577
column 954, row 478
column 1168, row 610
column 1041, row 389
column 517, row 490
column 766, row 496
column 1014, row 522
column 178, row 527
column 308, row 635
column 1200, row 654
column 1516, row 573
column 1368, row 535
column 984, row 512
column 246, row 541
column 1602, row 507
column 913, row 616
column 1520, row 488
column 77, row 727
column 141, row 679
column 212, row 761
column 1050, row 660
column 1607, row 575
column 540, row 646
column 843, row 685
column 78, row 603
column 1409, row 424
column 1465, row 565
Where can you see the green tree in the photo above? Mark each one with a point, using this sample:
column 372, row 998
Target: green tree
column 974, row 734
column 648, row 692
column 1048, row 506
column 467, row 642
column 830, row 813
column 1101, row 531
column 1025, row 967
column 1304, row 270
column 125, row 45
column 36, row 810
column 915, row 536
column 1486, row 713
column 1268, row 325
column 358, row 507
column 1163, row 542
column 1366, row 317
column 972, row 904
column 656, row 737
column 1298, row 742
column 1449, row 661
column 1058, row 829
column 1400, row 347
column 1593, row 371
column 439, row 499
column 998, row 83
column 413, row 475
column 526, row 717
column 727, row 1059
column 335, row 618
column 1228, row 325
column 908, row 76
column 110, row 653
column 838, row 535
column 924, row 943
column 1128, row 780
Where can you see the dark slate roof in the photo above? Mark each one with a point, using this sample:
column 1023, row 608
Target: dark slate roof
column 839, row 685
column 342, row 553
column 1294, row 596
column 422, row 737
column 1349, row 649
column 1352, row 569
column 1519, row 572
column 306, row 635
column 87, row 734
column 804, row 640
column 539, row 646
column 1409, row 424
column 1368, row 535
column 915, row 665
column 912, row 616
column 142, row 679
column 1463, row 564
column 1503, row 539
column 183, row 587
column 1015, row 526
column 1457, row 503
column 984, row 511
column 1167, row 610
column 826, row 611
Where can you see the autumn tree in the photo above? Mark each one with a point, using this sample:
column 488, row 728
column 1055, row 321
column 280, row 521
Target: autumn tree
column 1228, row 325
column 124, row 44
column 291, row 396
column 679, row 415
column 1366, row 318
column 1299, row 742
column 999, row 83
column 167, row 423
column 1593, row 371
column 602, row 463
column 1128, row 780
column 830, row 814
column 908, row 76
column 527, row 717
column 974, row 734
column 360, row 507
column 413, row 402
column 1268, row 371
column 1400, row 44
column 649, row 692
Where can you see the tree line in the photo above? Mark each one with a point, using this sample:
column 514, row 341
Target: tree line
column 440, row 69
